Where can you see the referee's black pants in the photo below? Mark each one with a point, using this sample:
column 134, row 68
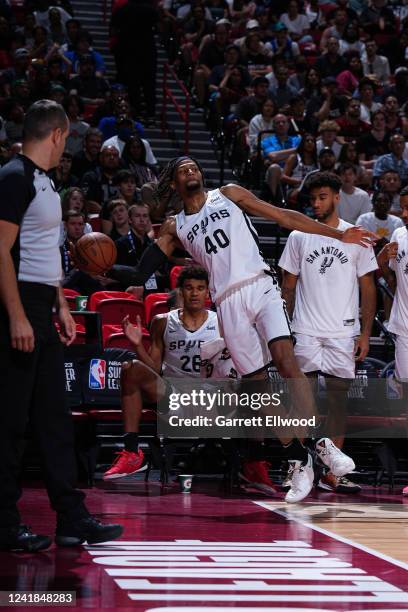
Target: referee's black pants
column 32, row 396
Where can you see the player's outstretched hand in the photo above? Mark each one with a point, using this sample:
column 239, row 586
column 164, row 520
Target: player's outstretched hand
column 359, row 235
column 132, row 332
column 72, row 254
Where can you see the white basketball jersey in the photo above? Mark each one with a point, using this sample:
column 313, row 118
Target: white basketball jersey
column 399, row 312
column 182, row 347
column 223, row 240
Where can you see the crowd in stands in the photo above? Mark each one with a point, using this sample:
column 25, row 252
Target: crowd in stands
column 297, row 87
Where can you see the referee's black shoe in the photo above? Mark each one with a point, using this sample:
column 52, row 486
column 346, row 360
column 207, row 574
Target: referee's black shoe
column 88, row 530
column 21, row 538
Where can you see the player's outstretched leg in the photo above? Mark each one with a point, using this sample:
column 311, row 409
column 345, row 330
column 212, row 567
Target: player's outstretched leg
column 299, row 457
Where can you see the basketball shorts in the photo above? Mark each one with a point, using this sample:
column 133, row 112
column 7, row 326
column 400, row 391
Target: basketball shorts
column 401, row 358
column 333, row 356
column 250, row 316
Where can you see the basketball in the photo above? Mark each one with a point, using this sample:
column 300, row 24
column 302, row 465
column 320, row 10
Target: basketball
column 95, row 253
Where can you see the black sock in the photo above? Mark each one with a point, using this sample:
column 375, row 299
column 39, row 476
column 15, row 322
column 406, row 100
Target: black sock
column 295, row 450
column 131, row 441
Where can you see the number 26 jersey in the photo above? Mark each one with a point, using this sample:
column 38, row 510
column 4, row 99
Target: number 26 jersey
column 223, row 240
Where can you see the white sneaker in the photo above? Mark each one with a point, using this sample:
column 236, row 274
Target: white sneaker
column 302, row 480
column 332, row 457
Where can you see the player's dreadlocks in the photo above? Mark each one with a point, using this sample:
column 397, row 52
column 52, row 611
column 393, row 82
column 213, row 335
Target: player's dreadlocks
column 167, row 175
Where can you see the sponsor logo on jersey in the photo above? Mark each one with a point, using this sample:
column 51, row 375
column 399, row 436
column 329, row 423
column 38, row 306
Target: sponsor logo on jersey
column 202, row 227
column 348, row 322
column 332, row 251
column 97, row 374
column 400, row 256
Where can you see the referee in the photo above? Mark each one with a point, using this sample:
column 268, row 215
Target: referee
column 32, row 379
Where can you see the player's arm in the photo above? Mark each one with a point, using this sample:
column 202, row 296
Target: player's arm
column 21, row 332
column 389, row 251
column 289, row 283
column 292, row 219
column 368, row 307
column 134, row 333
column 152, row 259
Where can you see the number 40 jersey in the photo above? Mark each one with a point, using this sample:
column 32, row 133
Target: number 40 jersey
column 223, row 240
column 182, row 347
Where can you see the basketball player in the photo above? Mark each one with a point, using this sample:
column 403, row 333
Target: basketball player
column 321, row 282
column 177, row 337
column 215, row 229
column 393, row 262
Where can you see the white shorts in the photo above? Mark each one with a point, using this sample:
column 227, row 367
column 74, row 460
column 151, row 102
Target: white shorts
column 250, row 316
column 401, row 358
column 334, row 356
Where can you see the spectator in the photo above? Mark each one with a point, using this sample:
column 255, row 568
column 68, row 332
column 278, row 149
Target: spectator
column 400, row 87
column 336, row 31
column 74, row 199
column 41, row 44
column 99, row 185
column 298, row 165
column 372, row 145
column 83, row 47
column 126, row 184
column 133, row 24
column 349, row 78
column 313, row 83
column 396, row 50
column 90, row 88
column 117, row 210
column 72, row 28
column 232, row 59
column 349, row 155
column 329, row 104
column 56, row 26
column 378, row 19
column 390, row 183
column 353, row 201
column 134, row 157
column 375, row 65
column 257, row 58
column 328, row 131
column 125, row 130
column 62, row 174
column 110, row 116
column 351, row 126
column 282, row 93
column 366, row 89
column 87, row 160
column 394, row 121
column 298, row 78
column 350, row 41
column 42, row 16
column 283, row 47
column 19, row 69
column 211, row 54
column 77, row 127
column 132, row 246
column 379, row 220
column 232, row 89
column 393, row 160
column 14, row 116
column 331, row 63
column 251, row 105
column 276, row 149
column 259, row 123
column 297, row 23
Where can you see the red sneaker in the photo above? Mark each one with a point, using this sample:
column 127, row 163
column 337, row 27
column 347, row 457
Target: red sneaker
column 255, row 473
column 126, row 463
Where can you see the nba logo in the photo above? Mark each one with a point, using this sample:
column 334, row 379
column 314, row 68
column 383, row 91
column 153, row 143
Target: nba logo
column 97, row 373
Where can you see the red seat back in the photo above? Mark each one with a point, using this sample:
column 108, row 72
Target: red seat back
column 98, row 296
column 149, row 301
column 158, row 308
column 119, row 340
column 95, row 223
column 113, row 311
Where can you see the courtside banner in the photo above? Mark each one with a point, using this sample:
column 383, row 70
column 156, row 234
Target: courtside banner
column 241, row 408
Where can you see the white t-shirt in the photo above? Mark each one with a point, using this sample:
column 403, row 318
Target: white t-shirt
column 399, row 312
column 327, row 289
column 298, row 25
column 115, row 141
column 384, row 228
column 352, row 205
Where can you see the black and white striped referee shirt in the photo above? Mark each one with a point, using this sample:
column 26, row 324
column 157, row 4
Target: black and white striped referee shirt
column 28, row 199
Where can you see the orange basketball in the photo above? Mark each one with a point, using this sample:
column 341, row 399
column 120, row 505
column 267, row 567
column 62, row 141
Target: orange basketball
column 95, row 253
